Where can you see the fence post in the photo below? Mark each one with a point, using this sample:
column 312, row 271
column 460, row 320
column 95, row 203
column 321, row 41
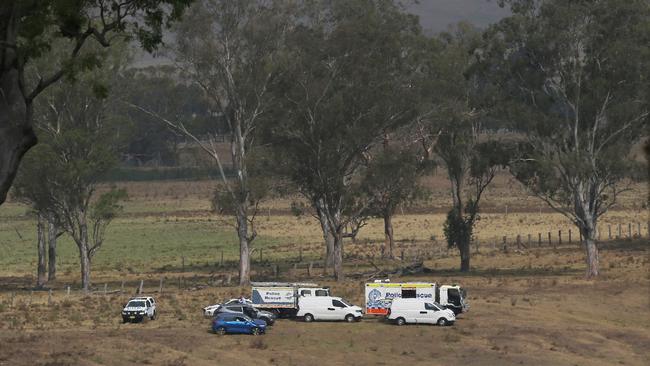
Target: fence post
column 68, row 290
column 105, row 288
column 559, row 237
column 221, row 262
column 609, row 230
column 620, row 235
column 183, row 264
column 629, row 230
column 140, row 287
column 402, row 255
column 506, row 210
column 569, row 236
column 229, row 279
column 529, row 245
column 518, row 241
column 276, row 270
column 309, row 269
column 539, row 240
column 638, row 228
column 160, row 288
column 505, row 243
column 49, row 297
column 122, row 287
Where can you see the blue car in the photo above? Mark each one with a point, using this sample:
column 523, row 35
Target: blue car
column 233, row 323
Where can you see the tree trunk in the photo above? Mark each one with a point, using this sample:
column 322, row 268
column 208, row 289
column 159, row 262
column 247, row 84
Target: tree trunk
column 84, row 254
column 388, row 232
column 589, row 235
column 464, row 249
column 327, row 236
column 337, row 256
column 42, row 252
column 16, row 133
column 244, row 250
column 52, row 234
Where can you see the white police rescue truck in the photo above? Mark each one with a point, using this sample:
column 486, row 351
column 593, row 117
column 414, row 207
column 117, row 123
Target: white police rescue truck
column 282, row 297
column 380, row 293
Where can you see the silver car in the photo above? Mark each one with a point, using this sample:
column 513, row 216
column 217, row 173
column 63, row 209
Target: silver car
column 248, row 310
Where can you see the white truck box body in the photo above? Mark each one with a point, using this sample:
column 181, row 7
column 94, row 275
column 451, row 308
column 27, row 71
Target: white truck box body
column 379, row 295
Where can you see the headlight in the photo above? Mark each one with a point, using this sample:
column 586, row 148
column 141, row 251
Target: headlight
column 141, row 313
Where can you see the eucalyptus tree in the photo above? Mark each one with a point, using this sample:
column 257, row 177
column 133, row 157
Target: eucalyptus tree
column 390, row 181
column 29, row 28
column 574, row 80
column 233, row 51
column 348, row 84
column 31, row 188
column 80, row 142
column 452, row 109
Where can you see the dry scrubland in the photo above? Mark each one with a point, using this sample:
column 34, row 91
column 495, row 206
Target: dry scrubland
column 528, row 306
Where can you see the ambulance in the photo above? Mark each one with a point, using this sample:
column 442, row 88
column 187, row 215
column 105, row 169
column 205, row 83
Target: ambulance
column 379, row 295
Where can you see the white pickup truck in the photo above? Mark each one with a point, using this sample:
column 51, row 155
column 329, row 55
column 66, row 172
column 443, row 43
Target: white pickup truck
column 281, row 298
column 139, row 308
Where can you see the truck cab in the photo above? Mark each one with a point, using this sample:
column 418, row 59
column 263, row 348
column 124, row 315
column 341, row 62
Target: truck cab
column 453, row 298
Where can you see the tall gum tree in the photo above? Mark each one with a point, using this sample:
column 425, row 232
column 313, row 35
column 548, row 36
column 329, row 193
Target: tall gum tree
column 348, row 85
column 28, row 28
column 574, row 77
column 232, row 50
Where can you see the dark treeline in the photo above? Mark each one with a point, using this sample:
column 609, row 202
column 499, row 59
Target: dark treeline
column 346, row 103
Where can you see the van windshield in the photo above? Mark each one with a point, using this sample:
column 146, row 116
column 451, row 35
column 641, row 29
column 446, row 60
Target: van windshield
column 345, row 302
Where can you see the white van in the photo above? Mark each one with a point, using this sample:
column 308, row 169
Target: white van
column 327, row 308
column 419, row 311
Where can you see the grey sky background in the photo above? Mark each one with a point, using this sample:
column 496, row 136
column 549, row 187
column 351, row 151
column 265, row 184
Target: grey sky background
column 435, row 16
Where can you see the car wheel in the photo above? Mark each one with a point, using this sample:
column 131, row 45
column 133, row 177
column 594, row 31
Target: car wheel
column 125, row 320
column 349, row 318
column 266, row 320
column 221, row 331
column 442, row 322
column 255, row 331
column 400, row 321
column 309, row 318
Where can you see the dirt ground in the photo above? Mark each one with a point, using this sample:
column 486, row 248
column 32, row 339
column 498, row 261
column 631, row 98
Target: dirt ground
column 527, row 308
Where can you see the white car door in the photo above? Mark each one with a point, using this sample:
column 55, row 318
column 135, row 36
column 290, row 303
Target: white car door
column 149, row 308
column 340, row 310
column 427, row 313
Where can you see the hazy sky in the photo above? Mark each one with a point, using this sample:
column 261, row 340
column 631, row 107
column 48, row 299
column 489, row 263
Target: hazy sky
column 435, row 16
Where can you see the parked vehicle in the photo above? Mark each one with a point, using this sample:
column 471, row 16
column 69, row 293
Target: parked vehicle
column 282, row 297
column 328, row 308
column 210, row 310
column 139, row 308
column 379, row 295
column 248, row 310
column 417, row 311
column 232, row 323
